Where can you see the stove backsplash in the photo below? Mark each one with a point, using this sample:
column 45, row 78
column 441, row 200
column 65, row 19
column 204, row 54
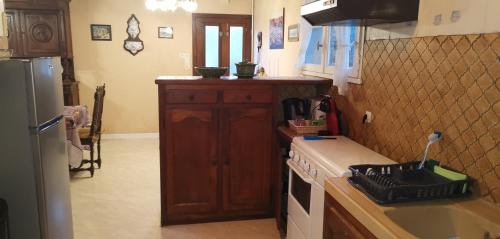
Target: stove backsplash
column 414, row 86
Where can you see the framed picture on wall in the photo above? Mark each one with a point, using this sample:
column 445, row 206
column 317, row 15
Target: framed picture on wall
column 277, row 32
column 293, row 33
column 100, row 32
column 166, row 32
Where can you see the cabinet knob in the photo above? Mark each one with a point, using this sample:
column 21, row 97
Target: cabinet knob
column 191, row 97
column 249, row 97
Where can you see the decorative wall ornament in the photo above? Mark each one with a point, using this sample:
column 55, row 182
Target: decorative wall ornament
column 133, row 44
column 100, row 32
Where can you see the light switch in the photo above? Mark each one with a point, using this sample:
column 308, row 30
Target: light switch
column 455, row 16
column 438, row 19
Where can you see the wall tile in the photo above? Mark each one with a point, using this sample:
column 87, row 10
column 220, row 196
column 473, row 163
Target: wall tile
column 414, row 86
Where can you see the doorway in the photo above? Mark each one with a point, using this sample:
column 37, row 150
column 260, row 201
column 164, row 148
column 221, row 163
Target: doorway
column 221, row 40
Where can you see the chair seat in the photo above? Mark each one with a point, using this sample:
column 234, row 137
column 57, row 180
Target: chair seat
column 84, row 134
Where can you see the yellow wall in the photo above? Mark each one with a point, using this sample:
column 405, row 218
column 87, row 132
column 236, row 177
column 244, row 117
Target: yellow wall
column 478, row 16
column 131, row 103
column 277, row 62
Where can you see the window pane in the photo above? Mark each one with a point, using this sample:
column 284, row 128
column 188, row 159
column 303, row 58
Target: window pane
column 212, row 46
column 236, row 47
column 332, row 46
column 313, row 53
column 352, row 42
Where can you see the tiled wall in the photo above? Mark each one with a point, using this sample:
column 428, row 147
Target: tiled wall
column 414, row 86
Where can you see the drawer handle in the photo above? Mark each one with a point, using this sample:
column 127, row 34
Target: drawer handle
column 191, row 97
column 249, row 97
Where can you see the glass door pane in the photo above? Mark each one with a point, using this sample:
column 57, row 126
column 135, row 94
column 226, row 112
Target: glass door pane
column 235, row 47
column 212, row 46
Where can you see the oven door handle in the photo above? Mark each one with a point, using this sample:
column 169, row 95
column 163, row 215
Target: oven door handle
column 299, row 172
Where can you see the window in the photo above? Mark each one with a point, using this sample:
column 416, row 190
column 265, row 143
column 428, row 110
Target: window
column 342, row 43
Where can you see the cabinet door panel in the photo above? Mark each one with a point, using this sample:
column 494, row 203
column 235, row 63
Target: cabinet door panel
column 191, row 137
column 247, row 146
column 339, row 223
column 42, row 33
column 14, row 34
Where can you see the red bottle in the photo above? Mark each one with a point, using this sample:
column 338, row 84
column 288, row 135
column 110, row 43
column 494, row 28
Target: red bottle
column 332, row 122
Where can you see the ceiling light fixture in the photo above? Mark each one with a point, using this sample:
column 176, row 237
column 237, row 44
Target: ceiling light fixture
column 172, row 5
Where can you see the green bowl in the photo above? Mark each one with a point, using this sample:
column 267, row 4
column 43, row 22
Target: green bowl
column 211, row 72
column 245, row 69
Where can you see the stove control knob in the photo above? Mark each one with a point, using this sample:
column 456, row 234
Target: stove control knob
column 304, row 165
column 313, row 172
column 307, row 166
column 296, row 158
column 291, row 153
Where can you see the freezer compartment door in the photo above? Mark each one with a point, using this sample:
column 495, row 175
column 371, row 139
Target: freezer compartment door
column 46, row 90
column 55, row 204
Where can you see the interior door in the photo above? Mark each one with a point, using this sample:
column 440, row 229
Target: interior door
column 221, row 40
column 191, row 136
column 247, row 159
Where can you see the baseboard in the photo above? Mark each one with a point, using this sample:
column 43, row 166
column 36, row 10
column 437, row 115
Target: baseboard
column 132, row 136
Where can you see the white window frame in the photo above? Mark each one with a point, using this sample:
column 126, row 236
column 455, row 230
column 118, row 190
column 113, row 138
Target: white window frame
column 326, row 71
column 314, row 67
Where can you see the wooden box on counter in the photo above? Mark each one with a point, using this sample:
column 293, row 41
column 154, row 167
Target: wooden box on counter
column 217, row 147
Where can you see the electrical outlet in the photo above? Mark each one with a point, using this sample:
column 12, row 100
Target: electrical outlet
column 368, row 117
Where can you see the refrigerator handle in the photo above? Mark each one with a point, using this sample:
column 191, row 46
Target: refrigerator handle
column 48, row 125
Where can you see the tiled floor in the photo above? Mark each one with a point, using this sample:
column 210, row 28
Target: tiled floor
column 123, row 201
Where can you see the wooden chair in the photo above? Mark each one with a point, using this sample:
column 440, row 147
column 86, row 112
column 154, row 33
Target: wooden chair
column 90, row 136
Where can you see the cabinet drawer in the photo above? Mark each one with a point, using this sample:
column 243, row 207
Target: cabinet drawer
column 248, row 96
column 191, row 96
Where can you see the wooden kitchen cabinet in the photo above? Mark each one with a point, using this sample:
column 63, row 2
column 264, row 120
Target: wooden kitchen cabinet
column 39, row 34
column 192, row 168
column 41, row 28
column 340, row 224
column 218, row 147
column 215, row 156
column 247, row 156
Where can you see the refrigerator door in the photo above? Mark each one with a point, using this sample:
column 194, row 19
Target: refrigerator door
column 4, row 220
column 55, row 201
column 45, row 90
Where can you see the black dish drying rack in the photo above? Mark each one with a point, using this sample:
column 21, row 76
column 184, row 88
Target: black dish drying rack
column 404, row 182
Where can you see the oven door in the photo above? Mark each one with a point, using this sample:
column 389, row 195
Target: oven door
column 299, row 202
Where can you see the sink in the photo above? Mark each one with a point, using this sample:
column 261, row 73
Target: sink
column 443, row 222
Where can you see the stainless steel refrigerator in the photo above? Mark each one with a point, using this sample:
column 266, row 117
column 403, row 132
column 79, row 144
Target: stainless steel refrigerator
column 34, row 175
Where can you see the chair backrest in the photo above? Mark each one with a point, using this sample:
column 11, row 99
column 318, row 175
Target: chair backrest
column 95, row 127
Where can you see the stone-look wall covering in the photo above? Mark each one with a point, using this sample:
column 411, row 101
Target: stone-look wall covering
column 414, row 86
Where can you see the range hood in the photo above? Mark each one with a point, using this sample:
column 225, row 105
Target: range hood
column 359, row 12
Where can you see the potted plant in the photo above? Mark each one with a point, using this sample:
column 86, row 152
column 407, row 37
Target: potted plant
column 245, row 69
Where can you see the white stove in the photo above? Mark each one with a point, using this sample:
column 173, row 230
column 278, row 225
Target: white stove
column 311, row 163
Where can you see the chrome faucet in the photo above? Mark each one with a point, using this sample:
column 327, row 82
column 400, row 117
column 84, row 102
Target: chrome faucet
column 433, row 138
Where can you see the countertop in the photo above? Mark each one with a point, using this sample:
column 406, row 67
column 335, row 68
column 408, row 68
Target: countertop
column 372, row 216
column 197, row 80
